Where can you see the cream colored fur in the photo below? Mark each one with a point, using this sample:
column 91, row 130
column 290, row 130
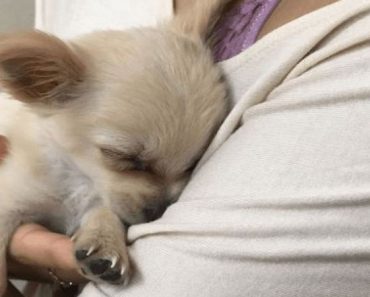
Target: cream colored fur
column 104, row 129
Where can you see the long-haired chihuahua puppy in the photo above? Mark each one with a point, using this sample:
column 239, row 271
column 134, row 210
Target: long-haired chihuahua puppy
column 103, row 131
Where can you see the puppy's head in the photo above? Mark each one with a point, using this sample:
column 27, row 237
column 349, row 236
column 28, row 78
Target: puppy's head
column 134, row 110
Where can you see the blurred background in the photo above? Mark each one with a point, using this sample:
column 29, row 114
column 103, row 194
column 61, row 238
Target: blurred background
column 17, row 14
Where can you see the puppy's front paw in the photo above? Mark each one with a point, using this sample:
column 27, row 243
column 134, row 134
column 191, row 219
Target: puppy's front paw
column 102, row 257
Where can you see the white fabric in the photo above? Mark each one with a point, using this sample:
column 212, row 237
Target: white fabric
column 69, row 18
column 281, row 206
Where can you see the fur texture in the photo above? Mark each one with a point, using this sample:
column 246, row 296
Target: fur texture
column 104, row 129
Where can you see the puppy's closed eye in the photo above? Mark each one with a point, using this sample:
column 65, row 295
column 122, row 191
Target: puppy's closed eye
column 122, row 161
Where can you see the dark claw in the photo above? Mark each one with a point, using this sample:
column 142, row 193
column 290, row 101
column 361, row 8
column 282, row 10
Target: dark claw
column 99, row 266
column 81, row 255
column 111, row 276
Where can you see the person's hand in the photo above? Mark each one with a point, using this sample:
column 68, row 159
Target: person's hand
column 33, row 250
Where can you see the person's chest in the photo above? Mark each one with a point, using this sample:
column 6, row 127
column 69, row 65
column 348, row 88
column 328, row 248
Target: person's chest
column 288, row 10
column 243, row 22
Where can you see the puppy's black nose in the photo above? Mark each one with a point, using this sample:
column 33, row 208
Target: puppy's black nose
column 154, row 212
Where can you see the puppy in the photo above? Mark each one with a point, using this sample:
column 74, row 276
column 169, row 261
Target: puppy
column 104, row 130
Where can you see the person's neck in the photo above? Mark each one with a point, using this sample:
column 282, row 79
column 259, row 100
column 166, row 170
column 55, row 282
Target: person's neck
column 288, row 10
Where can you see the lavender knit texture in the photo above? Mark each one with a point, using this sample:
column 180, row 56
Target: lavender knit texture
column 239, row 27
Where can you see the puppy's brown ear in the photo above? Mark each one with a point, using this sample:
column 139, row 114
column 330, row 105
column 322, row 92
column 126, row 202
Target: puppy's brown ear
column 196, row 18
column 38, row 68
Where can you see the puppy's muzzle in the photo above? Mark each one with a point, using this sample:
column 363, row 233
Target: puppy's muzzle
column 153, row 213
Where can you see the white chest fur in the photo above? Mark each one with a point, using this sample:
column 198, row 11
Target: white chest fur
column 57, row 191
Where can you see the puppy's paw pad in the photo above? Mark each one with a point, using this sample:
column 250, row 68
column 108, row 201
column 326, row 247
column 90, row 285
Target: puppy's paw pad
column 99, row 266
column 112, row 276
column 103, row 263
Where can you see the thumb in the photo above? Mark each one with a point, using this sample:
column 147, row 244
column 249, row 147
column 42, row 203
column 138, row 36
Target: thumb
column 34, row 245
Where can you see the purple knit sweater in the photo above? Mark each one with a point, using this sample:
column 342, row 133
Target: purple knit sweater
column 239, row 27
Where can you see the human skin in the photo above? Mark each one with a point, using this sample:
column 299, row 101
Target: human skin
column 289, row 10
column 286, row 11
column 33, row 250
